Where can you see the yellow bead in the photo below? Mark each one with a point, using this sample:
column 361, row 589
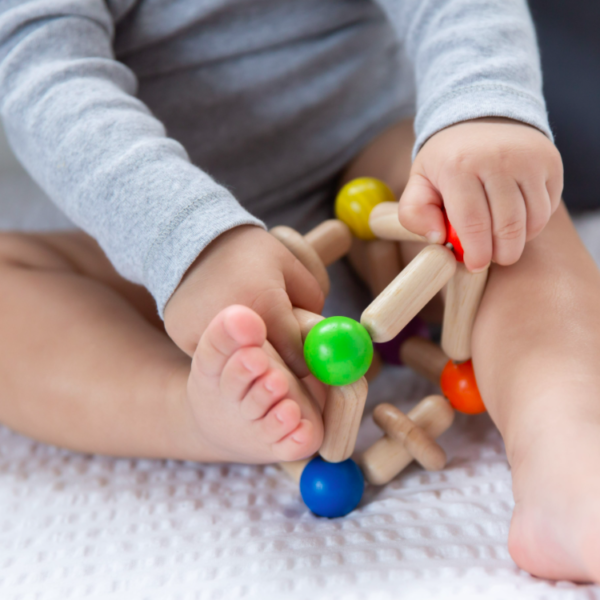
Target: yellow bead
column 356, row 200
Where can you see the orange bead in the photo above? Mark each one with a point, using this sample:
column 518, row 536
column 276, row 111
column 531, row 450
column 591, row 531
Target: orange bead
column 459, row 386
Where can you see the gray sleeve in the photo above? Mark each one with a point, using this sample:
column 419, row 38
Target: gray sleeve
column 72, row 118
column 471, row 58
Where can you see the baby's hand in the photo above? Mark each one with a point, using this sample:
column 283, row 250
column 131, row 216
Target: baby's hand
column 247, row 266
column 499, row 181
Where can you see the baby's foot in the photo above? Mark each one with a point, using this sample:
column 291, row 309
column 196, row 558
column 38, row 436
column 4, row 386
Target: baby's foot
column 246, row 403
column 555, row 529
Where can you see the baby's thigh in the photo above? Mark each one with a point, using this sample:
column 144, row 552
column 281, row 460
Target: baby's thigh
column 386, row 157
column 76, row 253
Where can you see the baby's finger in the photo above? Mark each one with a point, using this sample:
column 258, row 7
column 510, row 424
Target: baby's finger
column 469, row 214
column 302, row 287
column 509, row 219
column 283, row 330
column 421, row 209
column 538, row 205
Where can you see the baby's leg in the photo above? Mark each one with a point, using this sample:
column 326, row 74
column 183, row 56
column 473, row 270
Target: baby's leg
column 85, row 364
column 536, row 351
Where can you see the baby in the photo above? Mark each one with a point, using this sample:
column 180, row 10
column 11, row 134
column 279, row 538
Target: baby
column 277, row 100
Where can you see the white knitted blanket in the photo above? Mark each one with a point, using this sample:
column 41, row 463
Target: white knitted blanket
column 89, row 527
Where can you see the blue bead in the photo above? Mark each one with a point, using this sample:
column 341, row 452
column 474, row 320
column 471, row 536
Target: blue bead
column 331, row 489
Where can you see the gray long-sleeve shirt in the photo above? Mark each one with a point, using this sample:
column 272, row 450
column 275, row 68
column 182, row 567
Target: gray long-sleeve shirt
column 263, row 102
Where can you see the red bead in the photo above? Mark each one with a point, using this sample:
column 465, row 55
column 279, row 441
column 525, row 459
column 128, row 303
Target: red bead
column 452, row 238
column 459, row 386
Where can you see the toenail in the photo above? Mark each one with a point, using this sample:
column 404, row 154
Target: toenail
column 279, row 417
column 268, row 386
column 248, row 368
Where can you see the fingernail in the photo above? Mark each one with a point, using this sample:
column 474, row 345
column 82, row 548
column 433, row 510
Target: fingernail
column 434, row 237
column 481, row 269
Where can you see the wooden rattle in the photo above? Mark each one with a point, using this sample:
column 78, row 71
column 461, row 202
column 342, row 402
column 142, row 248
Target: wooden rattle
column 319, row 248
column 339, row 351
column 457, row 380
column 407, row 437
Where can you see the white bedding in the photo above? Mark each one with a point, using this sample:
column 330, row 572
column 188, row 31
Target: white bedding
column 88, row 527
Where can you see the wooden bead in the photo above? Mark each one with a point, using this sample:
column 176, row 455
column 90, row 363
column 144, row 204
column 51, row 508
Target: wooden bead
column 398, row 426
column 387, row 457
column 408, row 293
column 383, row 264
column 294, row 468
column 343, row 412
column 459, row 385
column 344, row 405
column 384, row 223
column 307, row 320
column 302, row 250
column 331, row 240
column 356, row 200
column 463, row 296
column 424, row 357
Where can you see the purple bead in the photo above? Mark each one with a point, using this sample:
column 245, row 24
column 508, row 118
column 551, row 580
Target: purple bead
column 390, row 351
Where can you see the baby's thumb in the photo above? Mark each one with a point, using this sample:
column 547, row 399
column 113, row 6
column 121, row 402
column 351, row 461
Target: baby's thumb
column 421, row 209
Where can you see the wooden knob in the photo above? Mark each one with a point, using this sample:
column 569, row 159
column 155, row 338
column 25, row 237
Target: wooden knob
column 384, row 223
column 408, row 293
column 331, row 240
column 387, row 456
column 398, row 426
column 424, row 357
column 305, row 253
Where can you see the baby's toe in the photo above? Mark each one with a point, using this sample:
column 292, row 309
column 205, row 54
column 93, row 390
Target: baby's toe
column 233, row 328
column 280, row 421
column 304, row 441
column 264, row 393
column 241, row 370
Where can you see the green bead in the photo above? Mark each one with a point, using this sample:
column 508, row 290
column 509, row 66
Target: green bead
column 338, row 351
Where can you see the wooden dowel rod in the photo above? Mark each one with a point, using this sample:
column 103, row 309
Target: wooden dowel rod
column 424, row 357
column 341, row 419
column 387, row 457
column 398, row 426
column 331, row 240
column 384, row 223
column 383, row 264
column 294, row 468
column 306, row 319
column 305, row 253
column 463, row 296
column 408, row 293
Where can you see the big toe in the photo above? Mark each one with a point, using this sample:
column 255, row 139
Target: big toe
column 235, row 327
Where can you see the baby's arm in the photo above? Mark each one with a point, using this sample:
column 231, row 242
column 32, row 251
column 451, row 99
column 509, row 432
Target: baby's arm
column 498, row 179
column 72, row 118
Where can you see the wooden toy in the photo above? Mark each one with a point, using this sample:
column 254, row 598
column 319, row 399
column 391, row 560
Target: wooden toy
column 384, row 224
column 382, row 264
column 339, row 351
column 322, row 246
column 331, row 489
column 408, row 293
column 406, row 438
column 463, row 296
column 356, row 200
column 345, row 403
column 457, row 380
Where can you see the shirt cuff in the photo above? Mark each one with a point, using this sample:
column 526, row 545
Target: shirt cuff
column 474, row 102
column 183, row 239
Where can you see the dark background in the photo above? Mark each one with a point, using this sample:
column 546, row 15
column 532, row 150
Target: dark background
column 569, row 37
